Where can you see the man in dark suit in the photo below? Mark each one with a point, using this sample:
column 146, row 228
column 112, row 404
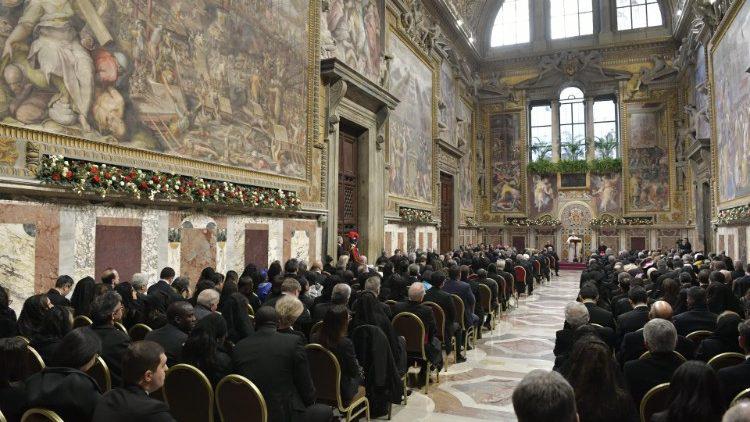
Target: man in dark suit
column 372, row 285
column 277, row 364
column 697, row 317
column 462, row 289
column 180, row 321
column 339, row 296
column 737, row 378
column 144, row 366
column 432, row 343
column 437, row 295
column 635, row 319
column 633, row 347
column 643, row 374
column 164, row 285
column 57, row 294
column 105, row 311
column 589, row 296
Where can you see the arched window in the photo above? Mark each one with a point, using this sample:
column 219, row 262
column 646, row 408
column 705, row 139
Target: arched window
column 572, row 124
column 511, row 24
column 540, row 147
column 571, row 18
column 632, row 14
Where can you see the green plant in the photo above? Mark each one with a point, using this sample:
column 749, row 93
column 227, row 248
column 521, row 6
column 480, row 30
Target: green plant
column 606, row 165
column 606, row 146
column 572, row 166
column 542, row 167
column 574, row 148
column 540, row 150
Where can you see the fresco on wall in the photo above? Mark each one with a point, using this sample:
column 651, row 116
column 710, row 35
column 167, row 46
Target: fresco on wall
column 732, row 96
column 410, row 125
column 648, row 163
column 464, row 132
column 542, row 194
column 606, row 190
column 223, row 82
column 356, row 26
column 506, row 164
column 448, row 108
column 703, row 123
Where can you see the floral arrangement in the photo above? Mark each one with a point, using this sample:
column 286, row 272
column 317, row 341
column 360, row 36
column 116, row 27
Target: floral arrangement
column 104, row 179
column 413, row 215
column 607, row 220
column 471, row 222
column 637, row 221
column 543, row 221
column 733, row 215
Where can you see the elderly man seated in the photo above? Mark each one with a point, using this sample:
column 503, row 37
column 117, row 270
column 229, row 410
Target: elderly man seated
column 577, row 324
column 414, row 306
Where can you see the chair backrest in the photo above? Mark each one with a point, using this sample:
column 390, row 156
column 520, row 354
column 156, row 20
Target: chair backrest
column 239, row 400
column 100, row 373
column 411, row 328
column 725, row 360
column 315, row 328
column 437, row 311
column 485, row 298
column 458, row 303
column 121, row 327
column 188, row 393
column 250, row 310
column 744, row 394
column 40, row 415
column 537, row 267
column 138, row 332
column 2, row 417
column 647, row 354
column 698, row 336
column 81, row 321
column 520, row 274
column 391, row 304
column 655, row 400
column 34, row 362
column 326, row 374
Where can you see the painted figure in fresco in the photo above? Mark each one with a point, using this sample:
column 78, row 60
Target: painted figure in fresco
column 607, row 192
column 543, row 193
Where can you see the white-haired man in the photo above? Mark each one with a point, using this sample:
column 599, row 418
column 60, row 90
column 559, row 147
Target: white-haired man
column 414, row 306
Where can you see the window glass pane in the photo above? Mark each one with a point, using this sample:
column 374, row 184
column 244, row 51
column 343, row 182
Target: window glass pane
column 541, row 115
column 556, row 8
column 636, row 2
column 654, row 15
column 578, row 112
column 604, row 111
column 566, row 114
column 570, row 6
column 584, row 5
column 579, row 132
column 522, row 33
column 603, row 129
column 623, row 3
column 571, row 26
column 587, row 23
column 639, row 16
column 511, row 24
column 570, row 93
column 623, row 18
column 566, row 133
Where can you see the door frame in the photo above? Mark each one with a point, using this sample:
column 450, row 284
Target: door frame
column 456, row 210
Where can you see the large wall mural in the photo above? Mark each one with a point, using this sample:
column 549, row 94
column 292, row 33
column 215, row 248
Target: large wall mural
column 542, row 194
column 702, row 106
column 606, row 190
column 216, row 81
column 506, row 163
column 448, row 107
column 648, row 161
column 410, row 125
column 465, row 126
column 731, row 83
column 356, row 27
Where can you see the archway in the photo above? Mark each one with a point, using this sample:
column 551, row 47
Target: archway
column 576, row 220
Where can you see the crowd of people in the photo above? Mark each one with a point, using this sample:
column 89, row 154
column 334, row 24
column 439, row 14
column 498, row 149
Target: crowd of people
column 629, row 331
column 255, row 324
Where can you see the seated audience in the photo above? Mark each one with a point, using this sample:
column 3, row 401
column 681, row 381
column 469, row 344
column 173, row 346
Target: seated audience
column 544, row 396
column 590, row 296
column 436, row 294
column 32, row 315
column 333, row 336
column 207, row 303
column 57, row 322
column 414, row 305
column 289, row 308
column 8, row 320
column 724, row 338
column 236, row 315
column 164, row 286
column 694, row 395
column 372, row 285
column 697, row 317
column 367, row 311
column 737, row 378
column 181, row 285
column 83, row 295
column 131, row 302
column 57, row 294
column 144, row 366
column 105, row 311
column 633, row 346
column 339, row 296
column 110, row 278
column 64, row 387
column 204, row 348
column 455, row 286
column 180, row 321
column 740, row 412
column 641, row 375
column 636, row 318
column 12, row 371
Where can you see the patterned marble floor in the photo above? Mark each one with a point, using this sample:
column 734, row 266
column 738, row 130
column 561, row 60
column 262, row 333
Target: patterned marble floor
column 481, row 388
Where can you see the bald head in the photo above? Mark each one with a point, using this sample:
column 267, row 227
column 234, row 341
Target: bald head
column 416, row 292
column 738, row 413
column 660, row 309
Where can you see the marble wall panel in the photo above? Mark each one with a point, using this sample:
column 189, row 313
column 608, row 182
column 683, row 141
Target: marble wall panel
column 198, row 250
column 118, row 246
column 256, row 246
column 17, row 261
column 297, row 247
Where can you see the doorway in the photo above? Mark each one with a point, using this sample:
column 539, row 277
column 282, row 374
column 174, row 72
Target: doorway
column 446, row 212
column 348, row 183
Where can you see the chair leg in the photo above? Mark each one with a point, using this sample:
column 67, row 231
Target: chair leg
column 427, row 378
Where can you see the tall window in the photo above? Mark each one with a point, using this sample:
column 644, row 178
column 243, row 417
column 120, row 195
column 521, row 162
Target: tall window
column 632, row 14
column 606, row 142
column 571, row 18
column 541, row 132
column 572, row 124
column 511, row 24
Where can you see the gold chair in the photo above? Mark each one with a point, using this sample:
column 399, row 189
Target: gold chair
column 100, row 373
column 725, row 360
column 34, row 362
column 326, row 374
column 698, row 336
column 2, row 417
column 315, row 328
column 188, row 393
column 439, row 315
column 412, row 329
column 121, row 327
column 250, row 310
column 40, row 415
column 138, row 332
column 655, row 400
column 485, row 301
column 469, row 333
column 81, row 321
column 744, row 394
column 26, row 340
column 239, row 400
column 647, row 354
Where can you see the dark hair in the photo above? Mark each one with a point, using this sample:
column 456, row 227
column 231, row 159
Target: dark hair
column 291, row 266
column 334, row 327
column 177, row 309
column 13, row 362
column 704, row 276
column 437, row 279
column 104, row 306
column 589, row 291
column 686, row 278
column 230, row 287
column 637, row 295
column 266, row 315
column 4, row 299
column 454, row 272
column 217, row 278
column 201, row 347
column 77, row 348
column 141, row 356
column 166, row 273
column 63, row 281
column 109, row 276
column 544, row 396
column 273, row 270
column 203, row 284
column 32, row 314
column 235, row 313
column 717, row 277
column 365, row 310
column 695, row 394
column 231, row 276
column 670, row 291
column 697, row 295
column 57, row 323
column 181, row 285
column 83, row 295
column 207, row 273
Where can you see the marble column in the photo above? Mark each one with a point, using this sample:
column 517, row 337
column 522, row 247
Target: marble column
column 589, row 118
column 555, row 130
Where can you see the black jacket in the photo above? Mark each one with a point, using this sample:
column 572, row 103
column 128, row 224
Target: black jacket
column 382, row 380
column 277, row 364
column 68, row 392
column 129, row 404
column 8, row 322
column 432, row 346
column 46, row 346
column 697, row 318
column 597, row 315
column 631, row 321
column 57, row 299
column 114, row 344
column 734, row 379
column 643, row 374
column 714, row 345
column 633, row 347
column 351, row 372
column 444, row 299
column 171, row 339
column 167, row 290
column 12, row 402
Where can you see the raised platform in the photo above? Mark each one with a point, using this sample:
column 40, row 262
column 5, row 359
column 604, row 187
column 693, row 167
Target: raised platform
column 565, row 265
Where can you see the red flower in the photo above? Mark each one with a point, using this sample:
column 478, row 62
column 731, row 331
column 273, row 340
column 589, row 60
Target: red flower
column 132, row 174
column 154, row 179
column 107, row 175
column 143, row 186
column 96, row 178
column 56, row 176
column 127, row 179
column 69, row 175
column 94, row 170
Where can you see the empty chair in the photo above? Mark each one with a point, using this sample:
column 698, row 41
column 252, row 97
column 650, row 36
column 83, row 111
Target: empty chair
column 138, row 332
column 725, row 360
column 40, row 415
column 655, row 400
column 100, row 373
column 81, row 321
column 239, row 400
column 188, row 393
column 468, row 332
column 326, row 374
column 411, row 328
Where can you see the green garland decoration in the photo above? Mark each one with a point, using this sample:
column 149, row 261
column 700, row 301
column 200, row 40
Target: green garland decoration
column 607, row 220
column 605, row 165
column 598, row 166
column 735, row 215
column 543, row 221
column 414, row 215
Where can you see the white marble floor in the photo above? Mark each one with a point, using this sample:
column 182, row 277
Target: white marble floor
column 482, row 387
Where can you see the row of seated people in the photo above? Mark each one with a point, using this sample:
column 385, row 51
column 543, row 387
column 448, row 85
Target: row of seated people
column 605, row 358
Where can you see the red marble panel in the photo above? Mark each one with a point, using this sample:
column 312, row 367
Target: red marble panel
column 118, row 247
column 256, row 247
column 421, row 241
column 388, row 241
column 290, row 226
column 197, row 251
column 401, row 242
column 429, row 240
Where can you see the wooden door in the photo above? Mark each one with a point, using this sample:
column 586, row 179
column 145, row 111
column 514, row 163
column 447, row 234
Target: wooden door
column 348, row 193
column 446, row 212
